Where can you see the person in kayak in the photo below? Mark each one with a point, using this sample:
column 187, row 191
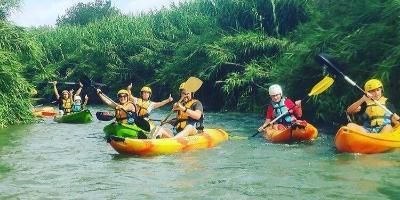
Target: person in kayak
column 77, row 106
column 279, row 105
column 377, row 120
column 125, row 110
column 143, row 104
column 189, row 117
column 65, row 101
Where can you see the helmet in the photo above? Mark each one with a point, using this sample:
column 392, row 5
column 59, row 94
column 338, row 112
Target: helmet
column 275, row 89
column 146, row 89
column 33, row 91
column 65, row 91
column 77, row 98
column 372, row 84
column 123, row 92
column 182, row 86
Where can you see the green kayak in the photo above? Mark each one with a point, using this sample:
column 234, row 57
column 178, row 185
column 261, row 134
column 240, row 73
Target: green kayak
column 76, row 118
column 123, row 130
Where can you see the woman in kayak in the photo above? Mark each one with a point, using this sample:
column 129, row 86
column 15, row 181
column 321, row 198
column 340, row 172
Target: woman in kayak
column 65, row 101
column 125, row 110
column 378, row 120
column 279, row 105
column 189, row 117
column 143, row 104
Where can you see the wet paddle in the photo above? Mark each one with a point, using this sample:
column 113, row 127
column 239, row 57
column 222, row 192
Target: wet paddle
column 324, row 60
column 320, row 87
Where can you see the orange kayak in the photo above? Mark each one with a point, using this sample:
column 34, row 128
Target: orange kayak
column 352, row 141
column 44, row 112
column 148, row 147
column 309, row 132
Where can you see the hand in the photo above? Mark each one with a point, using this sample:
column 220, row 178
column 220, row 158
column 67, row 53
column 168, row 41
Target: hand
column 366, row 97
column 71, row 91
column 178, row 106
column 358, row 109
column 129, row 86
column 80, row 84
column 98, row 91
column 86, row 97
column 261, row 128
column 54, row 83
column 395, row 117
column 298, row 103
column 170, row 99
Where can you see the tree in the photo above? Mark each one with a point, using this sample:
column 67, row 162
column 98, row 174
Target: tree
column 6, row 6
column 82, row 14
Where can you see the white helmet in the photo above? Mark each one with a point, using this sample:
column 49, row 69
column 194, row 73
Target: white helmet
column 77, row 98
column 275, row 89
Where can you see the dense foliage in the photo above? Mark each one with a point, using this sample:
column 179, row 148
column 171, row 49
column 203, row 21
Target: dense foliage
column 238, row 47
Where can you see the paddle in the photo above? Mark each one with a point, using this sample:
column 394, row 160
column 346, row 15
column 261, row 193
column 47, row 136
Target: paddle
column 192, row 84
column 320, row 87
column 77, row 83
column 324, row 61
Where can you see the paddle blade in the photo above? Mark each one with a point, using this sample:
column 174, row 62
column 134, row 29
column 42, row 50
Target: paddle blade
column 86, row 81
column 142, row 123
column 193, row 84
column 321, row 86
column 104, row 116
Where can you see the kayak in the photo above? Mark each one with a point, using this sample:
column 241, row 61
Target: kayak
column 293, row 134
column 148, row 147
column 352, row 141
column 44, row 112
column 121, row 130
column 75, row 118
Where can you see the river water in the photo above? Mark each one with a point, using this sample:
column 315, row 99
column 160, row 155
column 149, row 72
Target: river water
column 48, row 160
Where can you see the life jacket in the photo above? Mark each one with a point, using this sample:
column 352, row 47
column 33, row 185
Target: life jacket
column 183, row 117
column 76, row 107
column 280, row 108
column 143, row 107
column 66, row 105
column 123, row 117
column 376, row 114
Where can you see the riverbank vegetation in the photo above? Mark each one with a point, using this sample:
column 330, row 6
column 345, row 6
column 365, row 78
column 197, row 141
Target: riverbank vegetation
column 238, row 47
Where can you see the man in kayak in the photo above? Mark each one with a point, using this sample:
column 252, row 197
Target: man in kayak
column 143, row 104
column 279, row 105
column 125, row 110
column 377, row 119
column 77, row 106
column 65, row 101
column 189, row 117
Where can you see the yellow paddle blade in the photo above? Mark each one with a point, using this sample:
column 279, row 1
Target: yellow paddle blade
column 321, row 86
column 193, row 84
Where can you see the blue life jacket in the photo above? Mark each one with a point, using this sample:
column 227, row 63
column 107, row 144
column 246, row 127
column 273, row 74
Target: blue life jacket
column 280, row 108
column 76, row 107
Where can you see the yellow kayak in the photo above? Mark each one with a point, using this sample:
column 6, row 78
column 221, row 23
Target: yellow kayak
column 352, row 141
column 147, row 147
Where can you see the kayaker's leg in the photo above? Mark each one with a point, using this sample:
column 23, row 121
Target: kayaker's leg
column 187, row 131
column 386, row 129
column 164, row 133
column 357, row 127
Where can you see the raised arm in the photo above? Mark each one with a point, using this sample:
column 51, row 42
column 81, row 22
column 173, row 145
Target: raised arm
column 162, row 103
column 78, row 92
column 106, row 99
column 86, row 101
column 55, row 90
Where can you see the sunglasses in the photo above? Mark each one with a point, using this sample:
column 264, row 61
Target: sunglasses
column 122, row 96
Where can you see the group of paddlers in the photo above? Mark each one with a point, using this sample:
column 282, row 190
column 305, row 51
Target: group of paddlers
column 189, row 111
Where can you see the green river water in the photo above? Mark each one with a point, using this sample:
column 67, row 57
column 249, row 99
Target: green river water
column 49, row 160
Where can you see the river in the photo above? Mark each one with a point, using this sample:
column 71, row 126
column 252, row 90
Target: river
column 48, row 160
